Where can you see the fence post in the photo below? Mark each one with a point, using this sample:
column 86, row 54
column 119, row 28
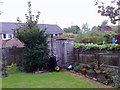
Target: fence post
column 97, row 57
column 4, row 68
column 4, row 54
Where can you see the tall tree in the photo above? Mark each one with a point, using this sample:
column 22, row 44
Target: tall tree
column 35, row 42
column 85, row 28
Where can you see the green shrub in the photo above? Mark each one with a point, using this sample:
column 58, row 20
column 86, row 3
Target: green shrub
column 111, row 72
column 12, row 69
column 77, row 68
column 90, row 71
column 103, row 47
column 68, row 35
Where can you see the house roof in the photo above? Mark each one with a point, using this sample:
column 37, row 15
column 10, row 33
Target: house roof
column 6, row 27
column 52, row 29
column 107, row 28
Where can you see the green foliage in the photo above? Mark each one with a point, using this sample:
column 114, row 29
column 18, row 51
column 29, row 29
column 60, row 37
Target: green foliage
column 79, row 37
column 109, row 47
column 68, row 35
column 36, row 48
column 85, row 28
column 77, row 68
column 95, row 36
column 12, row 69
column 111, row 72
column 106, row 47
column 31, row 36
column 109, row 35
column 76, row 45
column 35, row 55
column 90, row 71
column 72, row 29
column 11, row 65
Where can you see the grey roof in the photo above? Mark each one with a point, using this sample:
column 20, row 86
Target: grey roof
column 52, row 29
column 6, row 27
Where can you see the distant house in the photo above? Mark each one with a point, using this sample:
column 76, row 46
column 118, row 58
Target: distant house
column 7, row 38
column 105, row 28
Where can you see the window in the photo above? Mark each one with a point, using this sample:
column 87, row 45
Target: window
column 7, row 36
column 56, row 34
column 4, row 36
column 10, row 36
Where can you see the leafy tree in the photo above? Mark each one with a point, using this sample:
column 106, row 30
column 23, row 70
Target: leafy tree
column 35, row 42
column 72, row 29
column 79, row 38
column 85, row 28
column 111, row 11
column 95, row 36
column 103, row 35
column 94, row 28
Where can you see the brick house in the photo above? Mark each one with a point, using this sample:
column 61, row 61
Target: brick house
column 7, row 38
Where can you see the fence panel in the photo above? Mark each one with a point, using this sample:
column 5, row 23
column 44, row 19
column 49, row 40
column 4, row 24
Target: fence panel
column 12, row 55
column 105, row 60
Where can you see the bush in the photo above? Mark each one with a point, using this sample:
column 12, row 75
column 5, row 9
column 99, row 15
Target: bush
column 90, row 71
column 11, row 69
column 77, row 68
column 68, row 35
column 111, row 72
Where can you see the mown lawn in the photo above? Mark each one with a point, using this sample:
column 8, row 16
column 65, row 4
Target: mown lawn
column 0, row 83
column 44, row 80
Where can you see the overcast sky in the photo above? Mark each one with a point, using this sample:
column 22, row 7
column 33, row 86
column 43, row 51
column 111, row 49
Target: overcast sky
column 64, row 13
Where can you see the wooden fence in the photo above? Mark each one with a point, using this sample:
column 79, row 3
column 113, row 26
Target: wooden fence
column 12, row 55
column 62, row 49
column 105, row 60
column 66, row 55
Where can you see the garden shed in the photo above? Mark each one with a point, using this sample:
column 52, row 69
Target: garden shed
column 64, row 51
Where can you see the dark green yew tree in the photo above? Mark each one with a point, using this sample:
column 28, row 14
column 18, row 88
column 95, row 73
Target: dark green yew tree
column 35, row 55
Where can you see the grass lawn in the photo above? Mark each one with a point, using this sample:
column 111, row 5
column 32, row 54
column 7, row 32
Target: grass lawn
column 44, row 80
column 0, row 83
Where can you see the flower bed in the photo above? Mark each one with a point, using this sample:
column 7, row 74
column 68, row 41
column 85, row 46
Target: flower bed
column 91, row 73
